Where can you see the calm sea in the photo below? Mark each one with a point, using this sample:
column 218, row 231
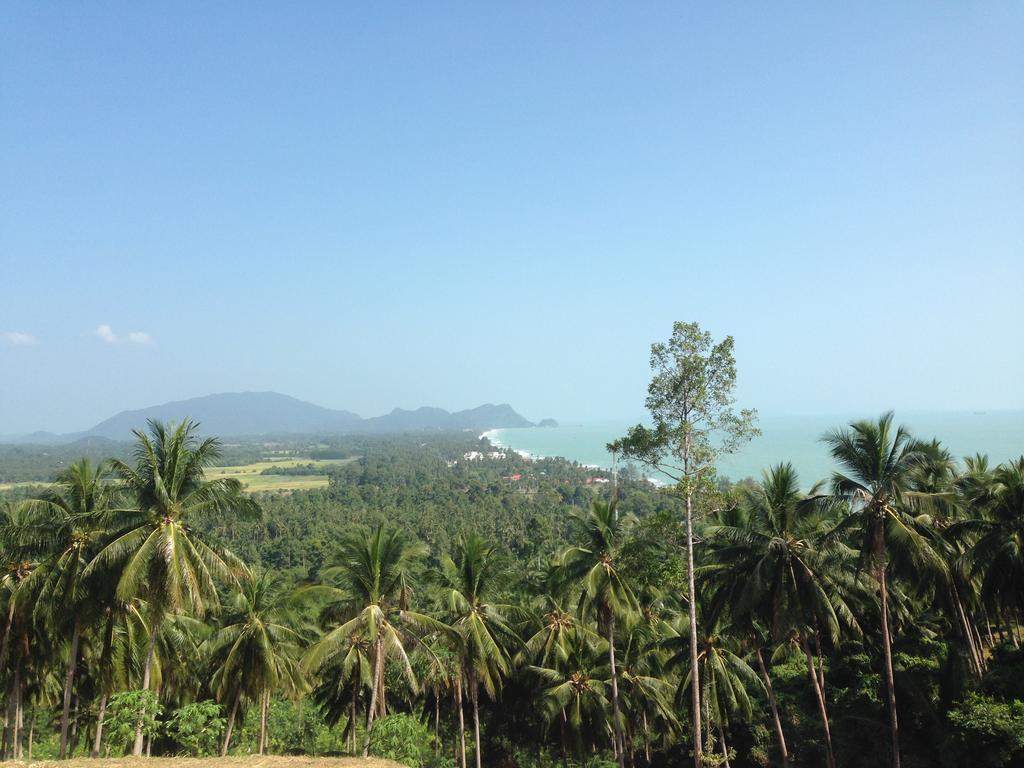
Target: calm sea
column 796, row 439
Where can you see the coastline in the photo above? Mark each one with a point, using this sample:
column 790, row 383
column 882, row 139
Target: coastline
column 784, row 438
column 532, row 456
column 489, row 435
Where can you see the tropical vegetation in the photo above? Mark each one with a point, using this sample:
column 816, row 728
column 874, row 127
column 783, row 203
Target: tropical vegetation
column 442, row 613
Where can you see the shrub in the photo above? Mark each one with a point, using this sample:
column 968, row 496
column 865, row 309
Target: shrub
column 986, row 731
column 123, row 714
column 198, row 728
column 404, row 739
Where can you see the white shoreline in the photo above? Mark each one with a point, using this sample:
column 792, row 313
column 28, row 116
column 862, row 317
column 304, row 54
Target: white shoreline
column 489, row 434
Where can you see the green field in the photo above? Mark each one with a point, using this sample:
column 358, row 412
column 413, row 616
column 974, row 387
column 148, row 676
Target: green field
column 28, row 484
column 251, row 478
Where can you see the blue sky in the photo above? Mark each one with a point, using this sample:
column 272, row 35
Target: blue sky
column 446, row 204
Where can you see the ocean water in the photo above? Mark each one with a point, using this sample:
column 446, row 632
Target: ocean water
column 796, row 439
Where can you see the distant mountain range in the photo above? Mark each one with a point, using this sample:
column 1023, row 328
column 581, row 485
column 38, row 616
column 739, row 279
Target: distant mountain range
column 242, row 414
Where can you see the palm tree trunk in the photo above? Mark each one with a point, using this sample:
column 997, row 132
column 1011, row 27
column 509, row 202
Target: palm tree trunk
column 819, row 655
column 616, row 720
column 698, row 757
column 437, row 722
column 69, row 681
column 830, row 759
column 264, row 706
column 231, row 725
column 146, row 674
column 149, row 737
column 352, row 719
column 709, row 745
column 978, row 643
column 378, row 664
column 565, row 740
column 16, row 738
column 7, row 631
column 7, row 727
column 15, row 713
column 462, row 720
column 31, row 731
column 776, row 720
column 647, row 741
column 475, row 695
column 382, row 696
column 9, row 710
column 725, row 747
column 98, row 740
column 73, row 740
column 889, row 678
column 965, row 631
column 21, row 726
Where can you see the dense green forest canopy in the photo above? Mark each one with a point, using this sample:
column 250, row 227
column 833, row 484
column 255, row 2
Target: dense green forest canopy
column 436, row 609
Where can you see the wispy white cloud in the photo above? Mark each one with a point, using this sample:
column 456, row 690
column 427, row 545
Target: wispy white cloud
column 106, row 333
column 20, row 339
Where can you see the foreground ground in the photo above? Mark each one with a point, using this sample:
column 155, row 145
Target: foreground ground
column 250, row 761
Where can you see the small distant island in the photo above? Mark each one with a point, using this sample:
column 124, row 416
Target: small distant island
column 547, row 423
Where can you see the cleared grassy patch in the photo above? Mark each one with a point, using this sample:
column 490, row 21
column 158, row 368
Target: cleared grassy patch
column 248, row 761
column 253, row 481
column 250, row 475
column 27, row 484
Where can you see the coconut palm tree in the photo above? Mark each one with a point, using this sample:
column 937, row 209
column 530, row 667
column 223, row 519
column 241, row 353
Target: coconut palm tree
column 442, row 670
column 116, row 652
column 16, row 641
column 341, row 684
column 367, row 589
column 646, row 689
column 996, row 535
column 18, row 592
column 878, row 461
column 256, row 650
column 559, row 633
column 577, row 691
column 481, row 628
column 551, row 643
column 595, row 565
column 66, row 523
column 768, row 565
column 939, row 489
column 727, row 681
column 162, row 556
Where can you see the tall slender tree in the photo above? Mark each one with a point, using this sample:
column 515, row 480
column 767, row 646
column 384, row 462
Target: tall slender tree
column 694, row 422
